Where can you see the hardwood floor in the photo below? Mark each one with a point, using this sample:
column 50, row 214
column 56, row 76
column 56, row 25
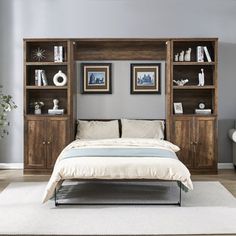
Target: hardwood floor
column 226, row 177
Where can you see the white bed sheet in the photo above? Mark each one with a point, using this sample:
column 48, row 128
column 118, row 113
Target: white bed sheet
column 117, row 168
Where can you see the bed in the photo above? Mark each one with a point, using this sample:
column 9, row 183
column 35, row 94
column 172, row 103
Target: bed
column 115, row 158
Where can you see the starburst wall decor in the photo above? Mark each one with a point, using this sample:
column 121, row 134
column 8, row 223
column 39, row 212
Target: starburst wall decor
column 39, row 54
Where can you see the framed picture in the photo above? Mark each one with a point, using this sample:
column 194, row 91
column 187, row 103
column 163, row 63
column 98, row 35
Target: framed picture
column 96, row 78
column 178, row 108
column 145, row 78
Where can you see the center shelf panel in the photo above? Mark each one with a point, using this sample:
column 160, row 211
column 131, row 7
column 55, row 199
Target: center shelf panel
column 128, row 49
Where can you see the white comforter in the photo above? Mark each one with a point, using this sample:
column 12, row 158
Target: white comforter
column 118, row 167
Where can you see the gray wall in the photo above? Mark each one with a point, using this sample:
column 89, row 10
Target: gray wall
column 115, row 18
column 120, row 104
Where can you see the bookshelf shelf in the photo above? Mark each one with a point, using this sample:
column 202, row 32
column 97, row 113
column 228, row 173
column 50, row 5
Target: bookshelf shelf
column 45, row 128
column 45, row 87
column 195, row 134
column 194, row 87
column 46, row 63
column 193, row 63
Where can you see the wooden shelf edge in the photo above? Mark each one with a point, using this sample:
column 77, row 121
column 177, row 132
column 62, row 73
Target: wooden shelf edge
column 45, row 87
column 41, row 63
column 190, row 115
column 193, row 63
column 46, row 115
column 195, row 87
column 211, row 39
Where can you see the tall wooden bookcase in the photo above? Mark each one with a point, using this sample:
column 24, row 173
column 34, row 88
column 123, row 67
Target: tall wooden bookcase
column 195, row 134
column 46, row 135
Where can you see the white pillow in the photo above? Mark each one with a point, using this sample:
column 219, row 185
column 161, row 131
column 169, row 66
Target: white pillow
column 143, row 128
column 97, row 129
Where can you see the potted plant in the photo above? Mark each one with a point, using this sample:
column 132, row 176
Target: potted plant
column 6, row 105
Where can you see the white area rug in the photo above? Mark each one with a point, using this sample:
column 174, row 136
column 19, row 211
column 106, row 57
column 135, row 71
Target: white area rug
column 209, row 209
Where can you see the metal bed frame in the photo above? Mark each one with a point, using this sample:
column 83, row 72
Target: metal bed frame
column 178, row 203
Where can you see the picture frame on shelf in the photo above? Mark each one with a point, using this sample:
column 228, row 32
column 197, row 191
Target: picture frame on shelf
column 145, row 78
column 178, row 108
column 96, row 78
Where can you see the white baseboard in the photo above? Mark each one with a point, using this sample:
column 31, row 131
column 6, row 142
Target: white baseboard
column 222, row 166
column 11, row 166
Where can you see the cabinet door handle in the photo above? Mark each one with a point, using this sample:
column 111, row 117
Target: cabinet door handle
column 49, row 142
column 191, row 143
column 44, row 142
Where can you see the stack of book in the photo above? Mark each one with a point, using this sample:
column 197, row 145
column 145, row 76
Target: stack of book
column 200, row 54
column 58, row 53
column 40, row 78
column 55, row 111
column 203, row 111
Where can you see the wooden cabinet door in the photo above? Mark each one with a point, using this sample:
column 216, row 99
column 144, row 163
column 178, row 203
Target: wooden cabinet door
column 181, row 135
column 35, row 143
column 205, row 128
column 57, row 138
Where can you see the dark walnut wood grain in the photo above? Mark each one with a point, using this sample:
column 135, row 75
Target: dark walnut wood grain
column 143, row 49
column 196, row 135
column 182, row 136
column 205, row 142
column 35, row 143
column 46, row 135
column 197, row 140
column 57, row 138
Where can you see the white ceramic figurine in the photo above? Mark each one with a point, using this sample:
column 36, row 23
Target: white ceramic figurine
column 177, row 57
column 187, row 56
column 55, row 104
column 201, row 78
column 181, row 82
column 181, row 56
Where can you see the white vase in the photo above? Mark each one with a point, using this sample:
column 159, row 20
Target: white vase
column 58, row 75
column 37, row 111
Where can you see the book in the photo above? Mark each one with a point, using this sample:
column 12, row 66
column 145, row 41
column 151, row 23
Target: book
column 36, row 77
column 39, row 75
column 55, row 111
column 40, row 78
column 58, row 53
column 44, row 78
column 207, row 54
column 200, row 54
column 203, row 111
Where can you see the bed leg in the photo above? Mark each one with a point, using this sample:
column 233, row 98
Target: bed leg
column 55, row 198
column 180, row 185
